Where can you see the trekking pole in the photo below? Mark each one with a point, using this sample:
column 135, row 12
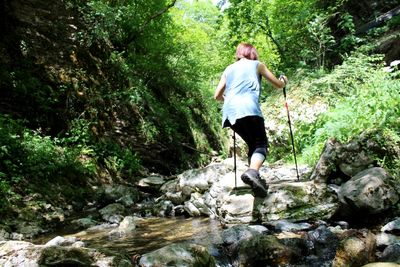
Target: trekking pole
column 290, row 129
column 234, row 157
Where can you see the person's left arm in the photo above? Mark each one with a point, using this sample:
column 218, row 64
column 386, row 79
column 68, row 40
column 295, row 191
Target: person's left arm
column 219, row 92
column 267, row 74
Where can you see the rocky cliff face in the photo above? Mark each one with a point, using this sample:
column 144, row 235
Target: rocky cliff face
column 53, row 69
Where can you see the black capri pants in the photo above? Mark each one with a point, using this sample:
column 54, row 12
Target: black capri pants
column 252, row 130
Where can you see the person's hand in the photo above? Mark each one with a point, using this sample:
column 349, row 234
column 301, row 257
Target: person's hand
column 284, row 79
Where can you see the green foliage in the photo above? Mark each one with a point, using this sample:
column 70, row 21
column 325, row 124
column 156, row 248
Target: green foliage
column 323, row 41
column 120, row 162
column 164, row 66
column 364, row 98
column 31, row 162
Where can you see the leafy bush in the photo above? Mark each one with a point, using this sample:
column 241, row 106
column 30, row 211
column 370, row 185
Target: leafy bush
column 30, row 162
column 363, row 98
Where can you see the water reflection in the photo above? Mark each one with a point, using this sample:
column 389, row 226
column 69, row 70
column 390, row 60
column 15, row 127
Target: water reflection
column 154, row 233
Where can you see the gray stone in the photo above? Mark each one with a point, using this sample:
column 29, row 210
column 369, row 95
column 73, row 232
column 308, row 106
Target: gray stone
column 384, row 239
column 237, row 209
column 113, row 213
column 392, row 227
column 356, row 249
column 381, row 264
column 369, row 192
column 152, row 183
column 201, row 179
column 391, row 253
column 125, row 195
column 178, row 254
column 61, row 241
column 4, row 235
column 128, row 223
column 83, row 223
column 284, row 225
column 298, row 201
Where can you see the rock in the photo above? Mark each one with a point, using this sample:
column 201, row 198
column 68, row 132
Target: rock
column 125, row 195
column 284, row 225
column 392, row 227
column 151, row 183
column 127, row 226
column 326, row 163
column 113, row 213
column 358, row 161
column 322, row 245
column 78, row 244
column 191, row 209
column 280, row 173
column 4, row 235
column 178, row 254
column 391, row 253
column 369, row 192
column 381, row 264
column 350, row 159
column 61, row 241
column 176, row 198
column 83, row 223
column 237, row 209
column 28, row 230
column 20, row 253
column 59, row 256
column 196, row 206
column 164, row 208
column 201, row 179
column 384, row 239
column 172, row 193
column 356, row 250
column 235, row 234
column 266, row 250
column 298, row 201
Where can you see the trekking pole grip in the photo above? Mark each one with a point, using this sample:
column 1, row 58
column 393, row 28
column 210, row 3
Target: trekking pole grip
column 284, row 88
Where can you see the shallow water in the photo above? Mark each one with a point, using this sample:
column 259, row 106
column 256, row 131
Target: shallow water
column 151, row 234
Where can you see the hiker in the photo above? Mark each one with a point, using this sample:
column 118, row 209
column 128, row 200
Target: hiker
column 239, row 89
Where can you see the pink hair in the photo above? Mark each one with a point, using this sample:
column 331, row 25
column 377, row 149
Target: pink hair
column 245, row 50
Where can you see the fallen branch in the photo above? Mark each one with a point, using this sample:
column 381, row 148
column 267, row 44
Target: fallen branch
column 379, row 20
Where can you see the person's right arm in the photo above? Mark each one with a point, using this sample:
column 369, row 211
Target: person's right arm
column 264, row 71
column 219, row 92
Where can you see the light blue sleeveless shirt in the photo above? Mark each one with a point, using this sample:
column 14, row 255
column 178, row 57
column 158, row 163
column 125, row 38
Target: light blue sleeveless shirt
column 242, row 91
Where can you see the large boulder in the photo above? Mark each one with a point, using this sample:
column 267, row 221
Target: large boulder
column 21, row 253
column 233, row 236
column 251, row 245
column 200, row 180
column 339, row 162
column 179, row 254
column 237, row 209
column 322, row 245
column 126, row 195
column 371, row 191
column 113, row 213
column 266, row 250
column 152, row 183
column 357, row 249
column 298, row 201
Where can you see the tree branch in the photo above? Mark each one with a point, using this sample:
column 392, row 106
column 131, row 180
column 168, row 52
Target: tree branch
column 268, row 32
column 155, row 15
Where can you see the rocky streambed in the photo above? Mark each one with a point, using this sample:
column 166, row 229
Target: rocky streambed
column 344, row 212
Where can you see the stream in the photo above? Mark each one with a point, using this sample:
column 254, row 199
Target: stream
column 150, row 234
